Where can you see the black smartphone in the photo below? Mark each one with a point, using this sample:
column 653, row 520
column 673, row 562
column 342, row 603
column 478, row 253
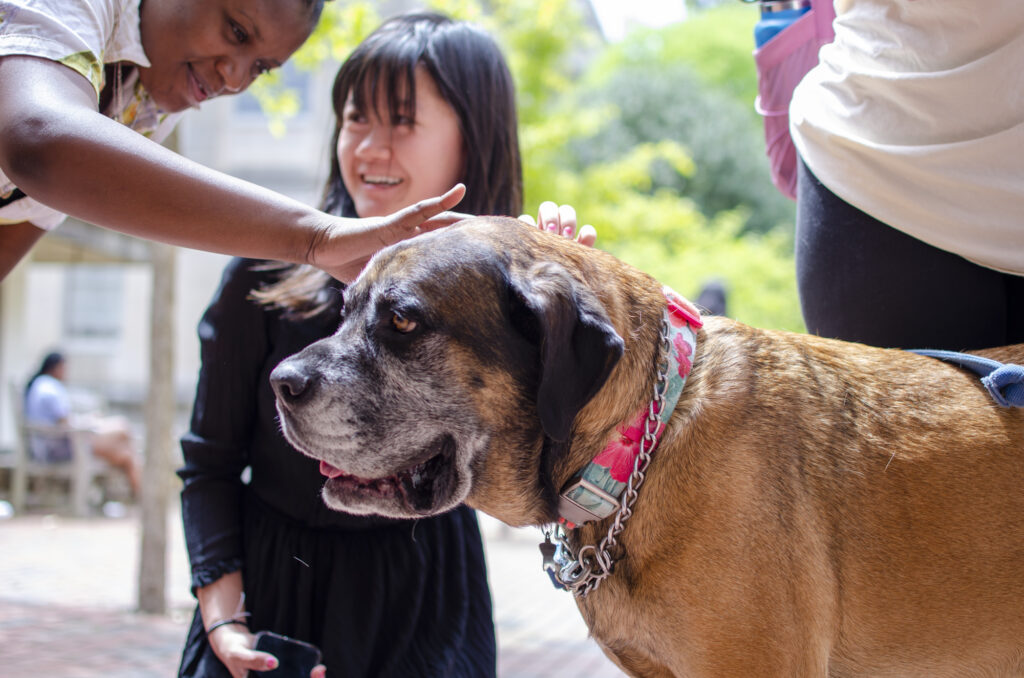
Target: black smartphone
column 295, row 657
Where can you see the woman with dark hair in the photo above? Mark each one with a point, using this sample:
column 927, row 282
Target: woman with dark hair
column 48, row 403
column 423, row 102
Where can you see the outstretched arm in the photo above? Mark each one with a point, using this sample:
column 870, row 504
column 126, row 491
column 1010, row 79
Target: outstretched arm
column 15, row 242
column 57, row 148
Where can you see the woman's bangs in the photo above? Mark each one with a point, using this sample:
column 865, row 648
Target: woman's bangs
column 388, row 72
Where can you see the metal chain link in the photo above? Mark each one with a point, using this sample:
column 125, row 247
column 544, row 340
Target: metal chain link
column 584, row 571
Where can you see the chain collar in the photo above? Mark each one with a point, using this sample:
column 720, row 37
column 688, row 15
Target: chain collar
column 595, row 492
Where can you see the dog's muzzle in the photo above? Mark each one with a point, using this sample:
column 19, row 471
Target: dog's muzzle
column 292, row 386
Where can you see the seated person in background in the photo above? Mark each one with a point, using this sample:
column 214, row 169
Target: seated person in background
column 47, row 403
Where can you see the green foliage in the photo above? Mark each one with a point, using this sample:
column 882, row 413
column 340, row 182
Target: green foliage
column 727, row 145
column 693, row 82
column 537, row 37
column 662, row 233
column 716, row 43
column 670, row 167
column 342, row 26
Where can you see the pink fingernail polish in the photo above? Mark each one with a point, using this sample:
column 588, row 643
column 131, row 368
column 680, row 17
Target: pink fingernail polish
column 271, row 663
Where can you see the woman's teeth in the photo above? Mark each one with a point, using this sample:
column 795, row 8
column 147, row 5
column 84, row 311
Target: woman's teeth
column 385, row 181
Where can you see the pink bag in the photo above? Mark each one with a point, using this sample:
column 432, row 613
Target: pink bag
column 782, row 63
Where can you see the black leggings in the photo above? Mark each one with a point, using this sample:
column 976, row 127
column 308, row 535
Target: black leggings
column 862, row 280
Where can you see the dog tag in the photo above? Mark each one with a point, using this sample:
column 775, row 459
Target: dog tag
column 547, row 551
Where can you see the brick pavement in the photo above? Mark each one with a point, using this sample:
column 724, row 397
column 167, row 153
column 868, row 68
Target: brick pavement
column 67, row 591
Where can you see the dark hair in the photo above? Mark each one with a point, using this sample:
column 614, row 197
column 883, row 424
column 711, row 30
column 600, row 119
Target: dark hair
column 472, row 77
column 51, row 361
column 316, row 8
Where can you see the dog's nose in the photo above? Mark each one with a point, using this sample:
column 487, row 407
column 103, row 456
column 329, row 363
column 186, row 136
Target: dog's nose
column 290, row 384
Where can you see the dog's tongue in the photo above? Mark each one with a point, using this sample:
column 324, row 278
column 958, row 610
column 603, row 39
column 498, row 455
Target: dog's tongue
column 330, row 471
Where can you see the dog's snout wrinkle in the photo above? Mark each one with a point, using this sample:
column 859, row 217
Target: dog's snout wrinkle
column 290, row 383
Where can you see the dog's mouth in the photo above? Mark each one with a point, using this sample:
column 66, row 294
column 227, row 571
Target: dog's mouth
column 417, row 486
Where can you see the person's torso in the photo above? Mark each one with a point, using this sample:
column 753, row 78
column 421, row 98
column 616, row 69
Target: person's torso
column 915, row 115
column 47, row 401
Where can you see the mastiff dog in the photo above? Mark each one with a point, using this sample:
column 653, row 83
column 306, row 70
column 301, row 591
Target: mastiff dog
column 723, row 501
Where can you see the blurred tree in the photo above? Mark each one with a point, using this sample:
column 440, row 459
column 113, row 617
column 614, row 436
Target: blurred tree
column 716, row 42
column 663, row 234
column 695, row 83
column 726, row 143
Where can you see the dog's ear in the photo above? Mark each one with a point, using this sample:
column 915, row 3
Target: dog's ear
column 578, row 344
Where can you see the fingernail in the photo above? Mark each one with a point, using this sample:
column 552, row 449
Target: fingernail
column 567, row 232
column 552, row 227
column 271, row 663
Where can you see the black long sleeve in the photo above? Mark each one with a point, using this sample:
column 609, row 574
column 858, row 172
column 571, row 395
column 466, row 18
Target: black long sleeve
column 234, row 346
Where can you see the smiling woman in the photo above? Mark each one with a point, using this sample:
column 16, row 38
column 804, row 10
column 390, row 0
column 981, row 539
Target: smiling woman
column 202, row 49
column 389, row 159
column 87, row 86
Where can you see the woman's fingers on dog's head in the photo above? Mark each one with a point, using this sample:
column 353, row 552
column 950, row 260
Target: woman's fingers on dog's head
column 555, row 218
column 561, row 219
column 433, row 212
column 426, row 215
column 547, row 217
column 587, row 235
column 567, row 220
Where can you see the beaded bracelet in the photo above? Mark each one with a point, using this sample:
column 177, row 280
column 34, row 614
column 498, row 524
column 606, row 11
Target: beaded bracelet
column 225, row 622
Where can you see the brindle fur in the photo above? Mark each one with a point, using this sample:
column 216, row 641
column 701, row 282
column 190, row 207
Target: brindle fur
column 816, row 508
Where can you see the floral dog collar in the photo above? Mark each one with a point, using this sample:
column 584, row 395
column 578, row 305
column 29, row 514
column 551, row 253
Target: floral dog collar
column 594, row 492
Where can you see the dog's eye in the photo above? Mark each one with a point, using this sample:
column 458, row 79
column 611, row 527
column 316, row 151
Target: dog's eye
column 402, row 324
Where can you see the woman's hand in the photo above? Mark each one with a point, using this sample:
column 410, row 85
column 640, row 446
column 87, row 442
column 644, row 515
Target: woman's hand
column 233, row 646
column 561, row 219
column 347, row 244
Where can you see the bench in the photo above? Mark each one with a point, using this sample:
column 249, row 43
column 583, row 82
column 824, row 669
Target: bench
column 78, row 485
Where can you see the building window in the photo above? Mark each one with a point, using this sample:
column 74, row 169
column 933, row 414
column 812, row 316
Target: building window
column 92, row 302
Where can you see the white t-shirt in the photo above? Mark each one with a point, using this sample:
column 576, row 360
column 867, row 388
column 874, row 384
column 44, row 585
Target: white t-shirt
column 915, row 115
column 47, row 401
column 83, row 35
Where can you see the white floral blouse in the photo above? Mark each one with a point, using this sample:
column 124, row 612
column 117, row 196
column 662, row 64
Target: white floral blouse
column 84, row 35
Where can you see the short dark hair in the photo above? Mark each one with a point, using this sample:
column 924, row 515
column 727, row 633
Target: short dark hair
column 472, row 77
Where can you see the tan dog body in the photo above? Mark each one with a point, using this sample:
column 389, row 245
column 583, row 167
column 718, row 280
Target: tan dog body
column 815, row 508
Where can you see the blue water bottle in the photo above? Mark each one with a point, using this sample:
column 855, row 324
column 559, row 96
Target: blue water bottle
column 775, row 16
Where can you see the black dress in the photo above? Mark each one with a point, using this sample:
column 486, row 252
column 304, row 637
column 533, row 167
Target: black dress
column 380, row 597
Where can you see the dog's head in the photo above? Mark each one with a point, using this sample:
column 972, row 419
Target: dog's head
column 456, row 346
